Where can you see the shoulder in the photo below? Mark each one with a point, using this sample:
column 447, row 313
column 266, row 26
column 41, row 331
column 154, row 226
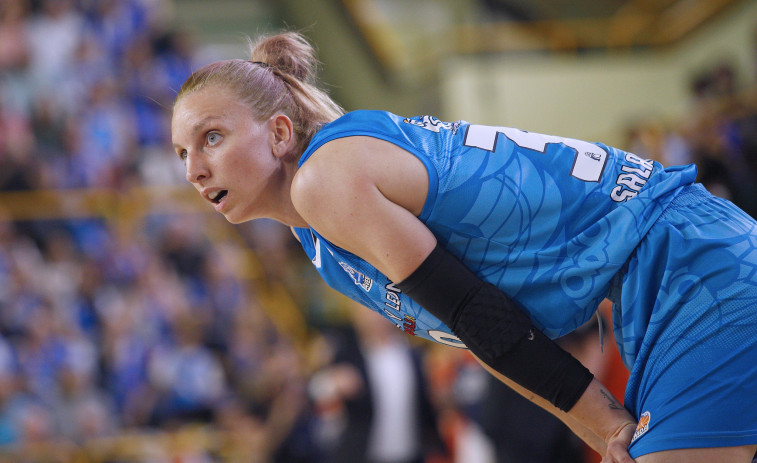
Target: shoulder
column 331, row 170
column 374, row 123
column 362, row 119
column 349, row 169
column 340, row 162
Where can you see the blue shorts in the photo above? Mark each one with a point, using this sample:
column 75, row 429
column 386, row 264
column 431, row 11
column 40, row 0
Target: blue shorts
column 689, row 297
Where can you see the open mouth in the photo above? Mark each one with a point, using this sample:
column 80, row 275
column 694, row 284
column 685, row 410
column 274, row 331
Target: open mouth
column 217, row 196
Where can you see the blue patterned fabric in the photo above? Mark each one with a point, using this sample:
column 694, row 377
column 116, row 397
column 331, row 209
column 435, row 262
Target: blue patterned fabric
column 546, row 219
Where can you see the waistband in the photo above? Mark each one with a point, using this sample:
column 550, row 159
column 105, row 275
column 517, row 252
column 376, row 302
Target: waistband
column 689, row 195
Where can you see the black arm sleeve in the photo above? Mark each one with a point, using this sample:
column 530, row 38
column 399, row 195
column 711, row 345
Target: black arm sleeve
column 495, row 329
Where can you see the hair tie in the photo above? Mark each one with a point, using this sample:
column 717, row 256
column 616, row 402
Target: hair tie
column 262, row 63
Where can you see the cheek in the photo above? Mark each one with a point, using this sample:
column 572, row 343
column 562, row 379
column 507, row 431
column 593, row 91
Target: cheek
column 249, row 165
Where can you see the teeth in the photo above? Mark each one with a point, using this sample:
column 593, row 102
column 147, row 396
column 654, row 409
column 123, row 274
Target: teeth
column 213, row 195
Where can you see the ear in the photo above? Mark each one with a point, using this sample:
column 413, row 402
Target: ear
column 283, row 135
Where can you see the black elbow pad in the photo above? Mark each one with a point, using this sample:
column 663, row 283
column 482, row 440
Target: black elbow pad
column 494, row 328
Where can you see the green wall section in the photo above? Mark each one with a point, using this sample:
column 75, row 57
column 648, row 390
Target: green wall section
column 350, row 72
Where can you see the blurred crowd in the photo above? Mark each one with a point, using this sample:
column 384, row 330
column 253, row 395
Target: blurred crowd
column 109, row 330
column 718, row 134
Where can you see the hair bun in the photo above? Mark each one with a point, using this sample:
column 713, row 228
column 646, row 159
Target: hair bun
column 288, row 52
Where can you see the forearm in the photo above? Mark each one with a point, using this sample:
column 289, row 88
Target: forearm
column 600, row 412
column 495, row 329
column 602, row 416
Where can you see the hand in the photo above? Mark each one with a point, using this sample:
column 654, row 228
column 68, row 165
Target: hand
column 617, row 445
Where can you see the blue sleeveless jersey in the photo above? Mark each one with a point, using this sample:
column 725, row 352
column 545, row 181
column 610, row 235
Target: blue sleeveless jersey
column 559, row 224
column 548, row 220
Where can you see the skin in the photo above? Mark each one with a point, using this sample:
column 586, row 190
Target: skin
column 364, row 195
column 225, row 148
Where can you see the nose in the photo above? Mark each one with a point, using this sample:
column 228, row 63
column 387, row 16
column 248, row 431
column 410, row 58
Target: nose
column 197, row 170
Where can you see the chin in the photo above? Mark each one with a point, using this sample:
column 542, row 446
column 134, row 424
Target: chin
column 236, row 219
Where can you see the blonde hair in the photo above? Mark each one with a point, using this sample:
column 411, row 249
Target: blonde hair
column 279, row 78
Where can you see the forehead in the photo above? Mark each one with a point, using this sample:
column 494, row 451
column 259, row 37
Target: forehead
column 208, row 99
column 209, row 103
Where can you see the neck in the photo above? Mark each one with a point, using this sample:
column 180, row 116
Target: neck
column 286, row 212
column 291, row 219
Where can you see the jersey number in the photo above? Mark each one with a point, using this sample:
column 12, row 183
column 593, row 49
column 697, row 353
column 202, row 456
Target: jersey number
column 588, row 164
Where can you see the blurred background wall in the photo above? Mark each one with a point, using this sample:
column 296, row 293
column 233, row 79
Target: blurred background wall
column 597, row 94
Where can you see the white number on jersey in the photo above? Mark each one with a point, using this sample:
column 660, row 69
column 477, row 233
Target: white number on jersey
column 588, row 164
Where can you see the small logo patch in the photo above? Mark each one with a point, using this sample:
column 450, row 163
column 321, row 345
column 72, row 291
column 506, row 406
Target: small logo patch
column 359, row 278
column 409, row 325
column 643, row 425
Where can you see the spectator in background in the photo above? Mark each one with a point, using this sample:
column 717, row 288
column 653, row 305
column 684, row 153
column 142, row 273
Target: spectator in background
column 54, row 36
column 107, row 134
column 20, row 169
column 189, row 379
column 373, row 397
column 14, row 54
column 9, row 394
column 81, row 410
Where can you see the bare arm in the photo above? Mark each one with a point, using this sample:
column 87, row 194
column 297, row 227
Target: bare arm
column 588, row 408
column 364, row 195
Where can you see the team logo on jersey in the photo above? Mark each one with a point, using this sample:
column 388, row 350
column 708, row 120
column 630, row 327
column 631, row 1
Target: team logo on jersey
column 643, row 425
column 409, row 325
column 359, row 278
column 433, row 124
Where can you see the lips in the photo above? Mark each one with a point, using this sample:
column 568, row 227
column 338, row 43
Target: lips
column 216, row 197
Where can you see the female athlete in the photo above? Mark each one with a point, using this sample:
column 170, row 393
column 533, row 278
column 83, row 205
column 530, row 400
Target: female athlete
column 499, row 240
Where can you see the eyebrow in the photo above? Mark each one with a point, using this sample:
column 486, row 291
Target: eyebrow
column 204, row 121
column 199, row 125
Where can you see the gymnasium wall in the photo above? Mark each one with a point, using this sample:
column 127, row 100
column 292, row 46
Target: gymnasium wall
column 595, row 96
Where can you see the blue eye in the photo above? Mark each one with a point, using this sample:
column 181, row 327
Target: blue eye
column 213, row 138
